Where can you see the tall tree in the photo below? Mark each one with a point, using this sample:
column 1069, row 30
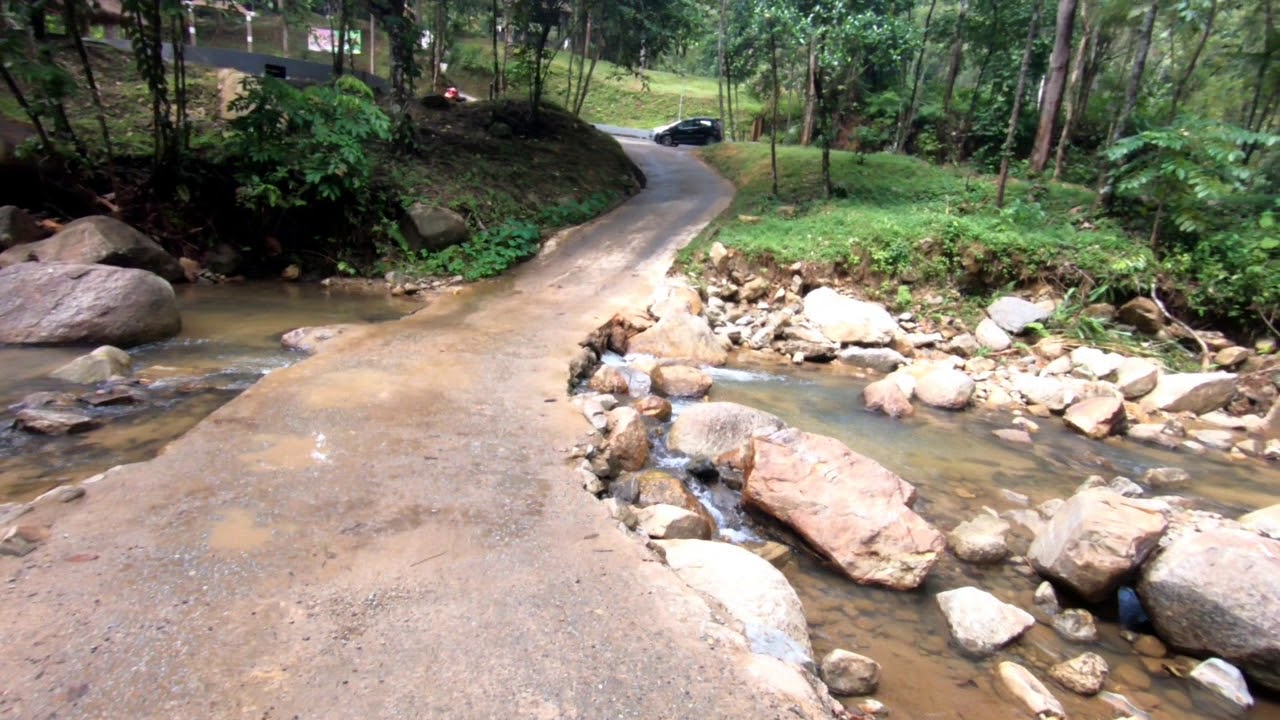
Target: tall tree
column 1179, row 89
column 1076, row 90
column 908, row 115
column 1121, row 125
column 1006, row 150
column 1055, row 85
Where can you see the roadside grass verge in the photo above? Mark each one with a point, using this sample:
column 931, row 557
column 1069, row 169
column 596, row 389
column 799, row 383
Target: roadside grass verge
column 902, row 225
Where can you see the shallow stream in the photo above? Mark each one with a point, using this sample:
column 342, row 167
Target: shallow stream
column 958, row 468
column 230, row 338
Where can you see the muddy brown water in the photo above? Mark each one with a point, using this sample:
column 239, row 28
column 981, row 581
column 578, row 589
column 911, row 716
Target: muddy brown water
column 230, row 338
column 960, row 468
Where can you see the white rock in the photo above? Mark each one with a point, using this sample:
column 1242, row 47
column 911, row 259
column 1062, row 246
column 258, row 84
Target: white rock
column 980, row 623
column 1097, row 363
column 1192, row 392
column 845, row 320
column 980, row 540
column 991, row 336
column 1050, row 392
column 1136, row 377
column 1028, row 690
column 669, row 522
column 1264, row 522
column 1224, row 680
column 944, row 388
column 1015, row 314
column 754, row 592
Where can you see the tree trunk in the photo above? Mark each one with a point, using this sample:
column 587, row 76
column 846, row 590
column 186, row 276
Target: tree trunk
column 1253, row 120
column 72, row 21
column 1135, row 74
column 810, row 96
column 340, row 47
column 957, row 57
column 728, row 94
column 32, row 115
column 1055, row 85
column 773, row 131
column 909, row 112
column 1074, row 92
column 721, row 68
column 495, row 84
column 1007, row 149
column 1181, row 87
column 508, row 44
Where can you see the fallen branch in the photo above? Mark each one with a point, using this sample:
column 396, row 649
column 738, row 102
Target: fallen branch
column 433, row 557
column 1205, row 355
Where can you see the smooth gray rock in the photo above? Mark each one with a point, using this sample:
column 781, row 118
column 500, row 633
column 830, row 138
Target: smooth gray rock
column 848, row 673
column 98, row 240
column 881, row 359
column 980, row 622
column 57, row 303
column 98, row 366
column 1198, row 393
column 1225, row 681
column 714, row 428
column 1014, row 314
column 433, row 228
column 848, row 321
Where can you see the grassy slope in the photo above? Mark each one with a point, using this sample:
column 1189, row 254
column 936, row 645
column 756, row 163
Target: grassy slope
column 616, row 97
column 904, row 220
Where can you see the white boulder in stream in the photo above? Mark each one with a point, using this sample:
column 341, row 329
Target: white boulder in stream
column 945, row 388
column 714, row 428
column 1218, row 592
column 754, row 592
column 1225, row 681
column 980, row 622
column 1192, row 392
column 680, row 336
column 849, row 321
column 1095, row 539
column 848, row 506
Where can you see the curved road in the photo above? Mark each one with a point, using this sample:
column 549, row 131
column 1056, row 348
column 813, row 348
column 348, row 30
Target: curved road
column 389, row 529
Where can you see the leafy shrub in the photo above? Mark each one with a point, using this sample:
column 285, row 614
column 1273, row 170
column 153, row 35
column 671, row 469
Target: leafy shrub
column 574, row 212
column 488, row 253
column 297, row 147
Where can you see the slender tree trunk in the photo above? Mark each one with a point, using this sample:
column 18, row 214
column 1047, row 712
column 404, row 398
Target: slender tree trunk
column 508, row 43
column 1264, row 65
column 728, row 95
column 810, row 96
column 1181, row 87
column 1135, row 74
column 721, row 68
column 957, row 57
column 1007, row 149
column 1074, row 90
column 496, row 84
column 908, row 116
column 340, row 49
column 773, row 131
column 72, row 21
column 1055, row 85
column 32, row 115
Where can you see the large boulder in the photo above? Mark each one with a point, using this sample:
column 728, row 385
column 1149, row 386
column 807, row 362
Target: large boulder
column 433, row 228
column 681, row 336
column 1096, row 539
column 991, row 336
column 980, row 622
column 848, row 321
column 628, row 439
column 16, row 227
column 1014, row 314
column 98, row 240
column 1192, row 392
column 1143, row 314
column 1096, row 417
column 945, row 388
column 1218, row 592
column 754, row 592
column 714, row 428
column 848, row 506
column 52, row 303
column 655, row 487
column 1050, row 392
column 231, row 87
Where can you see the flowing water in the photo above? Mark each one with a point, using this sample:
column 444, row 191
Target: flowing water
column 230, row 337
column 960, row 468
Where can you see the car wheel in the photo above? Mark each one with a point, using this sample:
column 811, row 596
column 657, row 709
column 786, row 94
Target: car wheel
column 666, row 140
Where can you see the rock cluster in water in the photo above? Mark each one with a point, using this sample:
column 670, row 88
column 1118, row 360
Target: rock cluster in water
column 1207, row 585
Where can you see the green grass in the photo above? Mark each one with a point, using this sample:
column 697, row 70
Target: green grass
column 902, row 220
column 616, row 96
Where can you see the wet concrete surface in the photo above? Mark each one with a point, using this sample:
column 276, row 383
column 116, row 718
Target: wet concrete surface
column 389, row 529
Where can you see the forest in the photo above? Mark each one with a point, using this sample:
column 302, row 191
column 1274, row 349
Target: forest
column 1149, row 124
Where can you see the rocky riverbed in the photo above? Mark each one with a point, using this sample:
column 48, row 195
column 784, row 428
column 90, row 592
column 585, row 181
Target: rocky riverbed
column 1134, row 555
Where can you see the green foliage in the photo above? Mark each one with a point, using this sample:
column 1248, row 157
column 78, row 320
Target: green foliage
column 1187, row 169
column 488, row 253
column 574, row 211
column 300, row 147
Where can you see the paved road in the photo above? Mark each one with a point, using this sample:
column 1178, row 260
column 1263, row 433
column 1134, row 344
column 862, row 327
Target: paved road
column 386, row 530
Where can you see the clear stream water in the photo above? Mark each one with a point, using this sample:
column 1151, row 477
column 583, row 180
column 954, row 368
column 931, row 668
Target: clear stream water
column 230, row 338
column 959, row 468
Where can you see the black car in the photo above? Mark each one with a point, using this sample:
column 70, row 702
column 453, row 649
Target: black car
column 693, row 131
